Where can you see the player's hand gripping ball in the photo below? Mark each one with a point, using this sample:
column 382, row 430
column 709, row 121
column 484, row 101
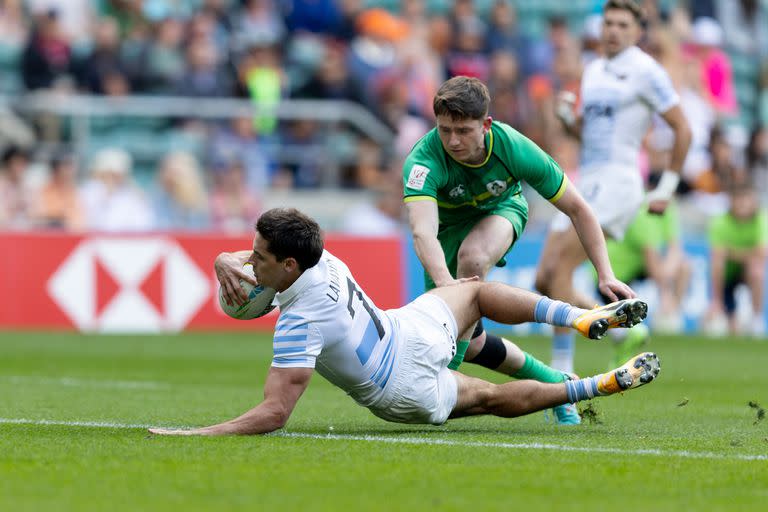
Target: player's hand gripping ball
column 259, row 301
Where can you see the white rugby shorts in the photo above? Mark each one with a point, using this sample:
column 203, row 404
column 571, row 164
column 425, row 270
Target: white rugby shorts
column 614, row 192
column 424, row 389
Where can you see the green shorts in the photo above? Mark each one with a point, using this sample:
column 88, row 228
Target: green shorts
column 452, row 236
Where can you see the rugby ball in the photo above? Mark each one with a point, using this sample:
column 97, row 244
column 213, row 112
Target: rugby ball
column 259, row 300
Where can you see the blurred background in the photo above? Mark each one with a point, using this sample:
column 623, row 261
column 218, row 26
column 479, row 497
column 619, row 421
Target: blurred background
column 184, row 119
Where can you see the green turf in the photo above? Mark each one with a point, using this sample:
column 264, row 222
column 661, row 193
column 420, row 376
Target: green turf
column 196, row 379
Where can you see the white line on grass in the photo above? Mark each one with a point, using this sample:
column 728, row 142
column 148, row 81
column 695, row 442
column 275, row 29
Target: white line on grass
column 83, row 383
column 430, row 441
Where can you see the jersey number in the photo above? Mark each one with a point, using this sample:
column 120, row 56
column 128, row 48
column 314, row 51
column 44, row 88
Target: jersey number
column 353, row 290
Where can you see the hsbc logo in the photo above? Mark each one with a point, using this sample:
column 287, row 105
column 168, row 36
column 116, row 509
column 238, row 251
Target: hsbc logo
column 129, row 285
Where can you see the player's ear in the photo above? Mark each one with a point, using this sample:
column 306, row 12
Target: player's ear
column 487, row 123
column 290, row 264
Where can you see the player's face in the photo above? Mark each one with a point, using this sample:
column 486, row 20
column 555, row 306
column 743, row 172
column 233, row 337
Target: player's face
column 620, row 31
column 268, row 270
column 464, row 139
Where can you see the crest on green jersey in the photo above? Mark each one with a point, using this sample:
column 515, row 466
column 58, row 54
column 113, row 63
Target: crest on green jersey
column 496, row 187
column 457, row 192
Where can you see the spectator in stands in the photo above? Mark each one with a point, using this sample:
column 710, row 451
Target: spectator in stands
column 15, row 190
column 162, row 58
column 261, row 77
column 75, row 17
column 714, row 65
column 331, row 80
column 203, row 75
column 373, row 53
column 757, row 161
column 234, row 208
column 468, row 57
column 47, row 60
column 112, row 201
column 259, row 17
column 237, row 140
column 103, row 59
column 738, row 255
column 504, row 34
column 303, row 139
column 179, row 199
column 508, row 102
column 58, row 205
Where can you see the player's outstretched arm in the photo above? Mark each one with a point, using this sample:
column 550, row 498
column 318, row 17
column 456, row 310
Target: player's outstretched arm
column 424, row 221
column 282, row 390
column 659, row 197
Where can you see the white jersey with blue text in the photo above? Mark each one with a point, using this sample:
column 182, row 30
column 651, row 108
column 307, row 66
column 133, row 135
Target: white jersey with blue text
column 328, row 323
column 618, row 99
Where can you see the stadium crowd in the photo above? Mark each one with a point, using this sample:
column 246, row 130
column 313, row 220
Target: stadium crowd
column 388, row 56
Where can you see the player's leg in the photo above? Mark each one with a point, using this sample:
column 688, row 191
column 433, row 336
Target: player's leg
column 755, row 277
column 482, row 247
column 561, row 256
column 506, row 304
column 517, row 398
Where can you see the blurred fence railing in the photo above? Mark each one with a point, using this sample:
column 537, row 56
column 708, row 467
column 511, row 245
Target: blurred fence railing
column 84, row 111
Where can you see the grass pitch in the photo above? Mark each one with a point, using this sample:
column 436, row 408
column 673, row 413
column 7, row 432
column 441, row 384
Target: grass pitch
column 73, row 411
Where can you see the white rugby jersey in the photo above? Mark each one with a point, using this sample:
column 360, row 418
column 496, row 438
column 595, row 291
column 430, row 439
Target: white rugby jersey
column 328, row 323
column 618, row 99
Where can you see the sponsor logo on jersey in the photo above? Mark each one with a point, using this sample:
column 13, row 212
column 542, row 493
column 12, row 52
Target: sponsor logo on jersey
column 496, row 187
column 417, row 177
column 456, row 192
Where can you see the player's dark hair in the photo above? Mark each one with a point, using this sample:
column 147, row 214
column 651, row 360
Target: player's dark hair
column 462, row 97
column 291, row 234
column 626, row 5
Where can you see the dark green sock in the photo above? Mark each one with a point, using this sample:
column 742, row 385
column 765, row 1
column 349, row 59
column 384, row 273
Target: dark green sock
column 461, row 349
column 536, row 370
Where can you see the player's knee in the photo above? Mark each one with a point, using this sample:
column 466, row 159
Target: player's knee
column 473, row 260
column 493, row 353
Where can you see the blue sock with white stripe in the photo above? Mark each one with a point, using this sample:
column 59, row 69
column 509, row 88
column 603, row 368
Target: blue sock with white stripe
column 582, row 389
column 555, row 312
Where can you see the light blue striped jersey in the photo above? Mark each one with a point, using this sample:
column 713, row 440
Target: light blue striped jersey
column 619, row 97
column 327, row 322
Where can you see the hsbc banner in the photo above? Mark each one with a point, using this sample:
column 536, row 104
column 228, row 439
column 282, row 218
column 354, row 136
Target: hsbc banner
column 152, row 283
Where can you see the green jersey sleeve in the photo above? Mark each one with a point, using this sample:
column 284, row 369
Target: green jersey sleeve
column 424, row 172
column 529, row 163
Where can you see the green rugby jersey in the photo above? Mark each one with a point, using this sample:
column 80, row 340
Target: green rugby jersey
column 647, row 230
column 728, row 232
column 464, row 191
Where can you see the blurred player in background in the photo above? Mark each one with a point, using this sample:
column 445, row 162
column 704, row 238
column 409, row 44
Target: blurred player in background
column 465, row 206
column 394, row 362
column 651, row 249
column 738, row 249
column 620, row 92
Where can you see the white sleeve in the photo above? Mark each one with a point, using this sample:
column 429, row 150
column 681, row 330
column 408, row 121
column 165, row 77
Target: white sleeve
column 297, row 342
column 657, row 89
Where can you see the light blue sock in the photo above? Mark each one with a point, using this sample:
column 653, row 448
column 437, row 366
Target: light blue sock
column 582, row 389
column 563, row 347
column 555, row 312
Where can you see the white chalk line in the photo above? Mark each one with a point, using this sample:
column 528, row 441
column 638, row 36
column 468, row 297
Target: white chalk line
column 83, row 383
column 429, row 441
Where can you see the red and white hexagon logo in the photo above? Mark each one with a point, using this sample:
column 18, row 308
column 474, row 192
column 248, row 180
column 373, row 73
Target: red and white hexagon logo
column 129, row 285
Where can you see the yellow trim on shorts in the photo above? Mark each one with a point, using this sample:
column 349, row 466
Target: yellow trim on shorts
column 411, row 199
column 560, row 191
